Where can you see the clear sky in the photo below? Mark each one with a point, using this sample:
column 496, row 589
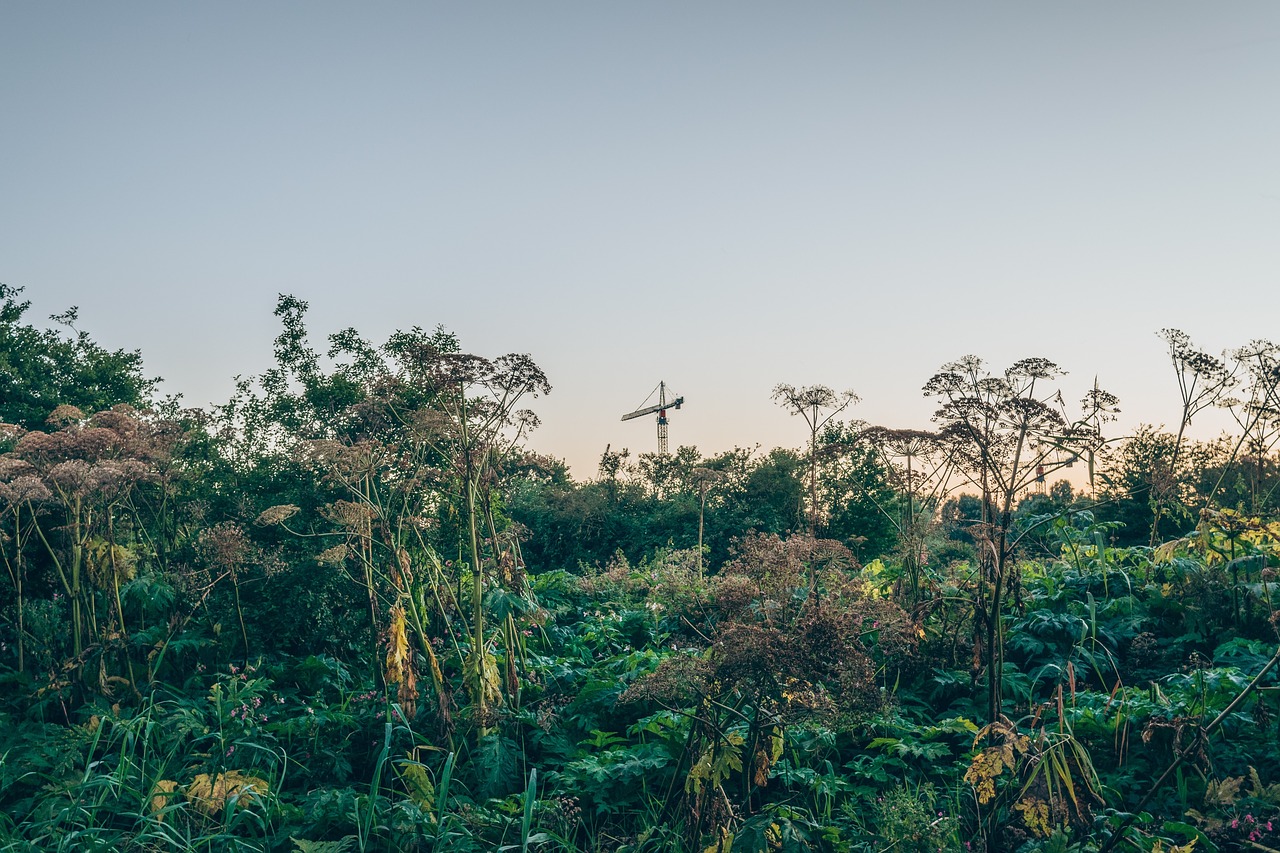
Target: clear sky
column 723, row 195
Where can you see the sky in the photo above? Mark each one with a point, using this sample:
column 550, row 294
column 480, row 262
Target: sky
column 722, row 195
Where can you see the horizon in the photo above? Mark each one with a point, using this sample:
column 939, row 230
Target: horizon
column 1219, row 419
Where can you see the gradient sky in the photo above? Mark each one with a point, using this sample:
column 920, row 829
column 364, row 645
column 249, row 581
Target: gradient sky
column 722, row 195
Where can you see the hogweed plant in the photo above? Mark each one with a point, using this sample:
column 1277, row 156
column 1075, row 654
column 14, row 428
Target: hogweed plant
column 817, row 405
column 1005, row 431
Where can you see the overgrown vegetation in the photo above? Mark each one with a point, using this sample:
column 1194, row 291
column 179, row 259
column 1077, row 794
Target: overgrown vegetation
column 350, row 610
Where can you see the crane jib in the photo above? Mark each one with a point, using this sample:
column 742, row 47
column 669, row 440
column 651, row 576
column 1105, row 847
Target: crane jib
column 660, row 409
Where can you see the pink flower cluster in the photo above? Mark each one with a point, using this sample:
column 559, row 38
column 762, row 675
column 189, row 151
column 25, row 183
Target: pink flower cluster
column 248, row 714
column 1254, row 826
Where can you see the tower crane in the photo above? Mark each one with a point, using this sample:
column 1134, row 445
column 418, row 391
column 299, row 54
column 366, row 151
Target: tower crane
column 661, row 409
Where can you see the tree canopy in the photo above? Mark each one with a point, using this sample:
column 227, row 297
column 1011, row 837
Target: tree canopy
column 41, row 369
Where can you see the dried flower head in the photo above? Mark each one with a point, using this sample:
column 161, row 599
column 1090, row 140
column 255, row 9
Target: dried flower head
column 276, row 515
column 64, row 414
column 224, row 545
column 348, row 514
column 334, row 556
column 682, row 678
column 25, row 489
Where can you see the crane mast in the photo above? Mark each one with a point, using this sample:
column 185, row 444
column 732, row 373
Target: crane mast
column 661, row 410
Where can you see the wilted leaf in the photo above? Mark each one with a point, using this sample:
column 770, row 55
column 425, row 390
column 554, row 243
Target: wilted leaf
column 209, row 794
column 161, row 794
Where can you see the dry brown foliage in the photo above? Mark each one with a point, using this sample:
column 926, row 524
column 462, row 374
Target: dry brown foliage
column 791, row 627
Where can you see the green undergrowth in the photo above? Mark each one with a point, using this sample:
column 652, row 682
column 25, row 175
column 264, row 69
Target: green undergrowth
column 657, row 710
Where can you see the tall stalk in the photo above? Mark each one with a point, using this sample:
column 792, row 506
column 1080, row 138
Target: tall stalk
column 818, row 405
column 1202, row 381
column 115, row 589
column 477, row 571
column 17, row 575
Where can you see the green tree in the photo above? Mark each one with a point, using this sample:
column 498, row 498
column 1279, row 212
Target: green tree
column 572, row 524
column 1181, row 475
column 772, row 497
column 856, row 490
column 41, row 369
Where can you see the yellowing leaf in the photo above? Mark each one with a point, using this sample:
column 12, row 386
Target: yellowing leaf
column 490, row 679
column 1165, row 552
column 983, row 770
column 768, row 751
column 1180, row 848
column 1035, row 814
column 160, row 796
column 209, row 794
column 723, row 844
column 1223, row 793
column 399, row 662
column 716, row 763
column 419, row 785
